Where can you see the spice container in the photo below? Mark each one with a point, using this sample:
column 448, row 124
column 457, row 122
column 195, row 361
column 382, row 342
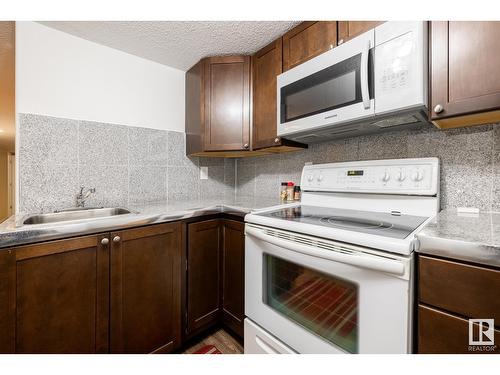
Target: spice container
column 296, row 193
column 283, row 193
column 289, row 191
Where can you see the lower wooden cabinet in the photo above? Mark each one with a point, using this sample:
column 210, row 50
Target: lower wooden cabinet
column 114, row 292
column 145, row 289
column 233, row 271
column 62, row 296
column 440, row 332
column 203, row 275
column 449, row 294
column 215, row 275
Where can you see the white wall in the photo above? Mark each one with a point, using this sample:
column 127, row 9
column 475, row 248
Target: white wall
column 61, row 75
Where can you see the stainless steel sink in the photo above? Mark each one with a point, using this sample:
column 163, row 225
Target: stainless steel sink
column 75, row 214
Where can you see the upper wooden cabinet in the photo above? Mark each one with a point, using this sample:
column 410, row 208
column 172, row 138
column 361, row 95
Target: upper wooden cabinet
column 350, row 29
column 308, row 40
column 267, row 65
column 464, row 75
column 218, row 105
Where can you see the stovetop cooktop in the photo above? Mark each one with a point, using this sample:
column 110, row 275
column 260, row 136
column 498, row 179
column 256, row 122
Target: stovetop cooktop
column 378, row 223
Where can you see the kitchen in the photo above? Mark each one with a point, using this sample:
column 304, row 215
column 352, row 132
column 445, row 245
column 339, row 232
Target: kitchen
column 245, row 187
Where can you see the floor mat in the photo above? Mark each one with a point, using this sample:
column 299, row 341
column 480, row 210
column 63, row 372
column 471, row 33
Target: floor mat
column 208, row 349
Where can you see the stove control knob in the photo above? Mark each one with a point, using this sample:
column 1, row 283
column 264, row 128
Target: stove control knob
column 319, row 178
column 417, row 176
column 385, row 177
column 401, row 176
column 310, row 178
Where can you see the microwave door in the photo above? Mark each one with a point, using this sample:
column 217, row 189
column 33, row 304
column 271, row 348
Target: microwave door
column 332, row 88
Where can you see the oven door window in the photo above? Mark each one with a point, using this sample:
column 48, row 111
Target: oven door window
column 336, row 86
column 321, row 303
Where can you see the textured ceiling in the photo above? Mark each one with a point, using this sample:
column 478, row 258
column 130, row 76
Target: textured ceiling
column 179, row 44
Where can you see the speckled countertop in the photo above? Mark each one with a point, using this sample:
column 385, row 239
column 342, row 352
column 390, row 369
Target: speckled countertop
column 13, row 233
column 469, row 237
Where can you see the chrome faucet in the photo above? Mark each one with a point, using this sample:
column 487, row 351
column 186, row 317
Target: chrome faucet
column 81, row 197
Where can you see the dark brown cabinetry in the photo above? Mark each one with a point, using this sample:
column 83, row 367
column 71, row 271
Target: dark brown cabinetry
column 450, row 293
column 308, row 40
column 62, row 296
column 145, row 289
column 215, row 275
column 350, row 29
column 203, row 275
column 113, row 292
column 218, row 106
column 233, row 271
column 267, row 65
column 464, row 74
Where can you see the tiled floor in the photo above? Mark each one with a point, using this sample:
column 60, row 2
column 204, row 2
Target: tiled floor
column 222, row 340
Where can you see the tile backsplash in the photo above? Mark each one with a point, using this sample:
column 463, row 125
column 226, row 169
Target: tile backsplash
column 130, row 165
column 127, row 165
column 469, row 158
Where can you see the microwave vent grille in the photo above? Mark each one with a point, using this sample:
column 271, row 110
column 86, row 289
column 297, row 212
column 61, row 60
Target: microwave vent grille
column 396, row 121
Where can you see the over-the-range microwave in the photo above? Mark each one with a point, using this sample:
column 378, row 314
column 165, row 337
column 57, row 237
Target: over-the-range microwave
column 376, row 81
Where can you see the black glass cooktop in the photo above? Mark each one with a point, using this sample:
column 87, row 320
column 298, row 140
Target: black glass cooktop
column 378, row 223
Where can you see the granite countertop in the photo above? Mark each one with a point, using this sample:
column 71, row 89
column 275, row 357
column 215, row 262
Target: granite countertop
column 469, row 237
column 13, row 233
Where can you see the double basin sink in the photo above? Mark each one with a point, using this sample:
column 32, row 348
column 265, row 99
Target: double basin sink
column 75, row 214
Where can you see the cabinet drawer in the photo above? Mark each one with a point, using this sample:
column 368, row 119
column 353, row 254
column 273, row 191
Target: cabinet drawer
column 464, row 289
column 440, row 332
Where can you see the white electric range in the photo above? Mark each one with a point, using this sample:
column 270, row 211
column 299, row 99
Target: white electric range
column 333, row 273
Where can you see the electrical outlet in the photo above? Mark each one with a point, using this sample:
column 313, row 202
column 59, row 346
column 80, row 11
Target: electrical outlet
column 203, row 173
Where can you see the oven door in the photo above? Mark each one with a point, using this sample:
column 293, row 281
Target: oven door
column 333, row 87
column 319, row 296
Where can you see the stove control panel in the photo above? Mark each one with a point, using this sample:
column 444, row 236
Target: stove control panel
column 396, row 176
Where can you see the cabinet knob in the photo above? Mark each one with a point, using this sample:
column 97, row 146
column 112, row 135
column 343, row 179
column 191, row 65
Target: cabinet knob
column 340, row 41
column 245, row 145
column 104, row 241
column 276, row 140
column 438, row 108
column 116, row 239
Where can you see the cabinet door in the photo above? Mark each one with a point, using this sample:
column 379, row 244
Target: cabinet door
column 62, row 296
column 308, row 40
column 351, row 29
column 464, row 78
column 7, row 301
column 145, row 289
column 203, row 275
column 267, row 64
column 227, row 103
column 440, row 332
column 233, row 256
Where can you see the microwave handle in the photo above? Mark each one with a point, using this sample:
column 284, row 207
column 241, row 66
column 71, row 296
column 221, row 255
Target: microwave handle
column 365, row 92
column 369, row 262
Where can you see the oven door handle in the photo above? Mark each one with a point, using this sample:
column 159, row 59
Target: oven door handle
column 367, row 261
column 365, row 91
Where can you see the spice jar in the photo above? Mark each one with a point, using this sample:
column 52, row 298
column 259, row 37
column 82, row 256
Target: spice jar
column 296, row 193
column 289, row 191
column 283, row 193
